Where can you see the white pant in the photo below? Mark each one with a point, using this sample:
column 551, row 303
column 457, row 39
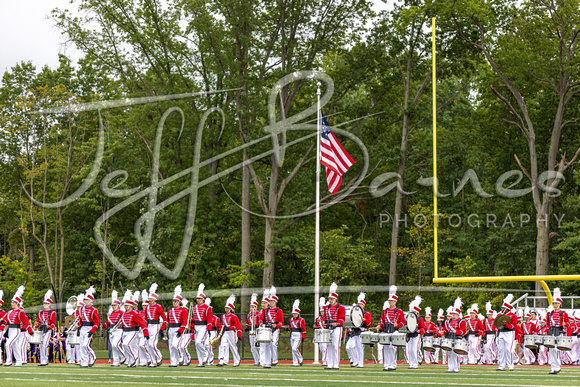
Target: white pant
column 322, row 347
column 295, row 341
column 474, row 352
column 575, row 352
column 390, row 355
column 14, row 346
column 274, row 346
column 152, row 350
column 116, row 338
column 44, row 346
column 71, row 351
column 505, row 345
column 173, row 342
column 555, row 359
column 489, row 350
column 266, row 351
column 413, row 350
column 131, row 347
column 542, row 355
column 201, row 346
column 184, row 356
column 143, row 345
column 229, row 343
column 86, row 353
column 333, row 348
column 255, row 350
column 452, row 361
column 210, row 336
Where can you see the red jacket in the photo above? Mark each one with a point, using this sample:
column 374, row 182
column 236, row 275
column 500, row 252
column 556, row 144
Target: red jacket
column 475, row 325
column 155, row 312
column 367, row 320
column 273, row 316
column 457, row 326
column 178, row 316
column 232, row 323
column 113, row 318
column 298, row 323
column 557, row 318
column 430, row 327
column 48, row 317
column 17, row 316
column 202, row 313
column 90, row 314
column 529, row 328
column 252, row 318
column 215, row 325
column 320, row 323
column 394, row 316
column 335, row 314
column 3, row 319
column 132, row 319
column 513, row 322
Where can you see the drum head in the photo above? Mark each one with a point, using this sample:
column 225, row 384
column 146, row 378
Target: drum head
column 412, row 322
column 357, row 316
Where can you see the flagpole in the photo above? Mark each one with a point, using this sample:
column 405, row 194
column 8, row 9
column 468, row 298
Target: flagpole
column 317, row 226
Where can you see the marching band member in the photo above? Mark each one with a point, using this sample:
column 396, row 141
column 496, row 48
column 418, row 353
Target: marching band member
column 439, row 332
column 156, row 323
column 543, row 357
column 115, row 333
column 144, row 358
column 232, row 331
column 252, row 322
column 46, row 321
column 475, row 331
column 277, row 317
column 202, row 315
column 529, row 328
column 321, row 324
column 517, row 352
column 366, row 324
column 334, row 314
column 575, row 338
column 556, row 320
column 489, row 338
column 445, row 333
column 14, row 336
column 73, row 352
column 3, row 322
column 430, row 331
column 184, row 357
column 506, row 336
column 270, row 317
column 131, row 322
column 89, row 323
column 213, row 328
column 457, row 328
column 391, row 320
column 297, row 327
column 177, row 324
column 414, row 338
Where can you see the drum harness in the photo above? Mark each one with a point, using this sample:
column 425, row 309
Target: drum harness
column 43, row 325
column 356, row 331
column 389, row 326
column 553, row 329
column 452, row 335
column 330, row 320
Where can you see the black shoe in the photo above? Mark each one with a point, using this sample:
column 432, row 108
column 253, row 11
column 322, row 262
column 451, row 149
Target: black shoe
column 92, row 364
column 274, row 364
column 7, row 365
column 188, row 363
column 553, row 372
column 42, row 365
column 200, row 365
column 327, row 368
column 236, row 365
column 301, row 363
column 180, row 363
column 84, row 366
column 159, row 363
column 267, row 367
column 172, row 366
column 499, row 369
column 112, row 365
column 123, row 361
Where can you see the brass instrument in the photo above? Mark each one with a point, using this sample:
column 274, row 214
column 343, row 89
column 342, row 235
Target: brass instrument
column 219, row 336
column 501, row 320
column 253, row 325
column 117, row 325
column 189, row 329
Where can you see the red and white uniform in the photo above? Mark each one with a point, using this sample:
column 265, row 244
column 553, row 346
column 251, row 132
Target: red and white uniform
column 16, row 337
column 143, row 345
column 334, row 314
column 391, row 320
column 529, row 328
column 297, row 328
column 213, row 327
column 3, row 324
column 89, row 316
column 132, row 322
column 177, row 323
column 475, row 330
column 232, row 332
column 156, row 321
column 458, row 327
column 506, row 343
column 46, row 320
column 414, row 344
column 201, row 315
column 116, row 336
column 430, row 331
column 274, row 318
column 252, row 324
column 320, row 323
column 184, row 356
column 556, row 321
column 489, row 344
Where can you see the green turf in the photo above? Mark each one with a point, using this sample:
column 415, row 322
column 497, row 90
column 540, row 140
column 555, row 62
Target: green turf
column 282, row 375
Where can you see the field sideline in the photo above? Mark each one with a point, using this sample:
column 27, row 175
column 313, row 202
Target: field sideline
column 282, row 375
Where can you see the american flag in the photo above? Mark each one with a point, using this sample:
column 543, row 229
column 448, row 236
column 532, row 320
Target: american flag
column 333, row 156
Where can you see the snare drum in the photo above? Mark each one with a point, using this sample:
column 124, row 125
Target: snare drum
column 539, row 340
column 264, row 335
column 375, row 337
column 35, row 338
column 564, row 343
column 428, row 344
column 366, row 337
column 447, row 344
column 399, row 339
column 321, row 336
column 73, row 339
column 437, row 342
column 460, row 347
column 549, row 341
column 384, row 338
column 530, row 342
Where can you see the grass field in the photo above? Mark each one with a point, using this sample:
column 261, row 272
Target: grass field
column 282, row 375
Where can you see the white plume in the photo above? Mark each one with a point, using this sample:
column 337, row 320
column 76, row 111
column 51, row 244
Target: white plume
column 321, row 302
column 361, row 297
column 128, row 296
column 526, row 310
column 231, row 300
column 333, row 288
column 153, row 288
column 254, row 298
column 81, row 299
column 427, row 310
column 508, row 299
column 1, row 294
column 177, row 291
column 48, row 294
column 200, row 289
column 136, row 297
column 19, row 291
column 208, row 301
column 272, row 291
column 90, row 291
column 392, row 290
column 296, row 305
column 487, row 306
column 266, row 295
column 480, row 317
column 418, row 300
column 184, row 302
column 458, row 303
column 475, row 308
column 144, row 295
column 114, row 296
column 449, row 309
column 385, row 305
column 557, row 293
column 440, row 313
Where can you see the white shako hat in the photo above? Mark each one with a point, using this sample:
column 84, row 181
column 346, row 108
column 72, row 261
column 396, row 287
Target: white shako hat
column 527, row 313
column 153, row 291
column 18, row 295
column 296, row 307
column 81, row 300
column 488, row 309
column 474, row 308
column 144, row 297
column 440, row 314
column 507, row 302
column 48, row 296
column 321, row 303
column 128, row 298
column 449, row 310
column 115, row 298
column 254, row 300
column 230, row 302
column 273, row 296
column 361, row 299
column 393, row 293
column 177, row 293
column 332, row 293
column 414, row 305
column 136, row 298
column 200, row 293
column 266, row 295
column 557, row 296
column 90, row 293
column 428, row 312
column 457, row 306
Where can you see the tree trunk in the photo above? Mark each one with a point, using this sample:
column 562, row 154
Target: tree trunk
column 397, row 213
column 246, row 237
column 542, row 248
column 269, row 254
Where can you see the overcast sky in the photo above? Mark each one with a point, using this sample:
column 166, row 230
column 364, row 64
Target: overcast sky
column 27, row 35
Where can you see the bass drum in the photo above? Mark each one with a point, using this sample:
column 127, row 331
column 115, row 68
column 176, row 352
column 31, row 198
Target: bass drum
column 412, row 322
column 353, row 316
